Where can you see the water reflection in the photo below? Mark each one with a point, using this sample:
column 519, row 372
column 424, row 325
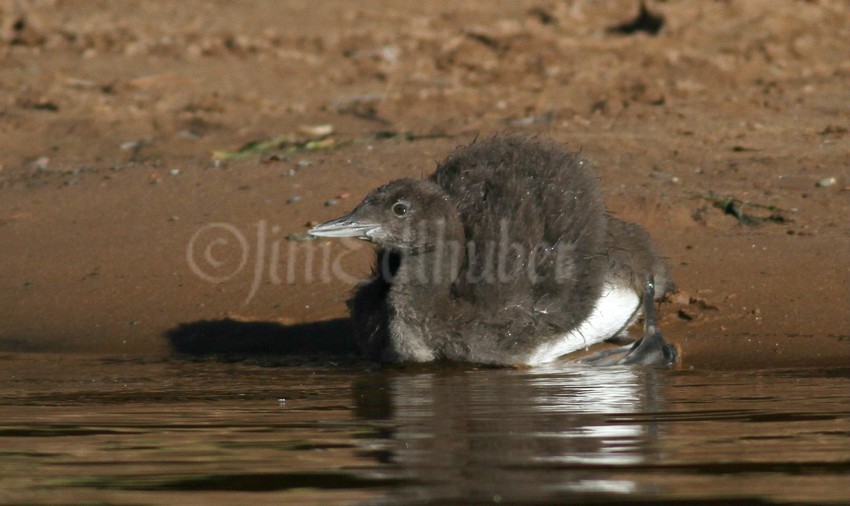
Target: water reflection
column 95, row 431
column 517, row 434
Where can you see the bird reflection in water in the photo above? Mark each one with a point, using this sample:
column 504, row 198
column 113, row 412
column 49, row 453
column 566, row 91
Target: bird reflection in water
column 553, row 432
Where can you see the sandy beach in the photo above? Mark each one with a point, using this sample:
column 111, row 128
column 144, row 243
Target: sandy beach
column 160, row 162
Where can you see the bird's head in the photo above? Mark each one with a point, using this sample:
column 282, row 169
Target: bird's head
column 406, row 215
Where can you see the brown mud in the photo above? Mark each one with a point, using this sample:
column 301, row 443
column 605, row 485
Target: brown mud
column 726, row 135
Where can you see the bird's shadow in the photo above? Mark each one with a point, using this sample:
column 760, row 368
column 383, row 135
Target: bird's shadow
column 229, row 339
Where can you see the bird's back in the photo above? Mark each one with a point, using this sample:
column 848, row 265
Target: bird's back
column 535, row 222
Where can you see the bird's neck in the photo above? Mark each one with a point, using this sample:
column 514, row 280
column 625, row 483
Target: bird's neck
column 427, row 275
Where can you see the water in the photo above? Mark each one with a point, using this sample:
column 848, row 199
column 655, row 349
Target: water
column 86, row 430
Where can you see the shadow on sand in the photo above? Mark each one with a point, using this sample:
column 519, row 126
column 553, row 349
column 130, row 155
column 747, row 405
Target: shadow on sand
column 234, row 340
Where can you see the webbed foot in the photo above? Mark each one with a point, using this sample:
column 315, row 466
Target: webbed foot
column 651, row 349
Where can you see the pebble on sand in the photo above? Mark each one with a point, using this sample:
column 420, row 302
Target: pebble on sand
column 42, row 163
column 131, row 145
column 316, row 131
column 827, row 181
column 300, row 237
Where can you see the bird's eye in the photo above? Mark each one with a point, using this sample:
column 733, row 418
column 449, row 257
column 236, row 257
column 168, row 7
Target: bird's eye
column 401, row 208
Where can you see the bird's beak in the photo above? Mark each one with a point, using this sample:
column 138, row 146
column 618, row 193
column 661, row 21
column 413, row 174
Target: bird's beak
column 346, row 226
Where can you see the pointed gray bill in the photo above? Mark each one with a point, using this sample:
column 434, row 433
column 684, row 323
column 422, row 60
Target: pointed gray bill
column 345, row 226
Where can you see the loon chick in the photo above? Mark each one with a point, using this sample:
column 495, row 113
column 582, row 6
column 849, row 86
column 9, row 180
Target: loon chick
column 505, row 255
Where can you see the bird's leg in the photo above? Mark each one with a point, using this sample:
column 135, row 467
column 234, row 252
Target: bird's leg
column 651, row 349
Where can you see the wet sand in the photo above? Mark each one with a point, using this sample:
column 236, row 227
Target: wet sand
column 725, row 135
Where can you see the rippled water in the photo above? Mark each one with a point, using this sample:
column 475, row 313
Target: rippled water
column 84, row 430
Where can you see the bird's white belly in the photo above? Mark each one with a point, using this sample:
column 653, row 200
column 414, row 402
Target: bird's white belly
column 612, row 312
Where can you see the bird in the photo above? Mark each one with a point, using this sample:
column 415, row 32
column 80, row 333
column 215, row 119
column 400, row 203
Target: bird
column 506, row 255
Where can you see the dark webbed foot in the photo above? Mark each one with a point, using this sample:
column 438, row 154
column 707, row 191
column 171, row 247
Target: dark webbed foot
column 651, row 349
